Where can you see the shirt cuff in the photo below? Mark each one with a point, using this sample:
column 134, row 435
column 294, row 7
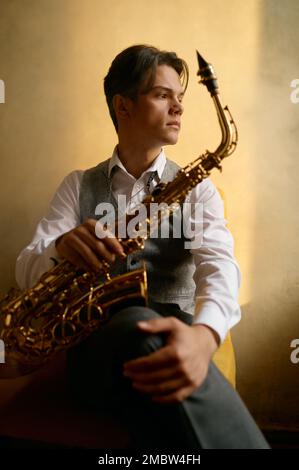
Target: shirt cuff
column 209, row 314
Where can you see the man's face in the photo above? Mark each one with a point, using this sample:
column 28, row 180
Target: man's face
column 156, row 116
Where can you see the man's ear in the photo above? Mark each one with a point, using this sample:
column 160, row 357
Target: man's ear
column 122, row 106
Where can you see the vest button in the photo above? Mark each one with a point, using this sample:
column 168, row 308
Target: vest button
column 133, row 262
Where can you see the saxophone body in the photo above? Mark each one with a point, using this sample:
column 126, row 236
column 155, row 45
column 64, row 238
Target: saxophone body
column 68, row 304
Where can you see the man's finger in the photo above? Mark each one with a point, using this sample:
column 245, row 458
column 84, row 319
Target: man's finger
column 107, row 238
column 97, row 247
column 85, row 252
column 159, row 325
column 75, row 258
column 161, row 358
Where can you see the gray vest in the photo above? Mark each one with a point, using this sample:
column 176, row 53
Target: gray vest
column 169, row 265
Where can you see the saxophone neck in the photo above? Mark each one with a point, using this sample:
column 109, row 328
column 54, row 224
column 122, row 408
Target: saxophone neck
column 229, row 132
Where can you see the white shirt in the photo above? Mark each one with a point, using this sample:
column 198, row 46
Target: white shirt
column 217, row 275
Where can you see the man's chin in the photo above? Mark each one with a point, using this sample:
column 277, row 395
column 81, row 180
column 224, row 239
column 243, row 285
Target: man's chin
column 171, row 140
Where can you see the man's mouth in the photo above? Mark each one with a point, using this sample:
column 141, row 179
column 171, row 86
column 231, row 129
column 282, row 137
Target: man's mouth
column 175, row 124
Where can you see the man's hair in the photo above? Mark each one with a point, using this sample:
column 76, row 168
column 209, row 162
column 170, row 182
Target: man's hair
column 133, row 71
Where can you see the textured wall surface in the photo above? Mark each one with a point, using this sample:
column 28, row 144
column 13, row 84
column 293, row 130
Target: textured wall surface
column 53, row 58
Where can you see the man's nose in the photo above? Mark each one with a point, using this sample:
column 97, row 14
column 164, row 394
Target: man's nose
column 177, row 108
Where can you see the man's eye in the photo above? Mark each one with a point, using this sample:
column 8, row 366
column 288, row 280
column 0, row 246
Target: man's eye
column 163, row 95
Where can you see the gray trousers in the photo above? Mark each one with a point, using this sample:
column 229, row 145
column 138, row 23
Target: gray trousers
column 212, row 417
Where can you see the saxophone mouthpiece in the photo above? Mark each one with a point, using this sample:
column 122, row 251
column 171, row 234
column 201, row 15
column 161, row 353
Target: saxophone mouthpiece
column 207, row 75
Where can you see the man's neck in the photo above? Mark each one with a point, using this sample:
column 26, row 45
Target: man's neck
column 136, row 160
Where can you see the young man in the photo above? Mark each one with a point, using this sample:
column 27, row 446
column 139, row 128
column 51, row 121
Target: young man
column 151, row 365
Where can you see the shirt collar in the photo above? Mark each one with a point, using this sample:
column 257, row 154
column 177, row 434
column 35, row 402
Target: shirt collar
column 157, row 165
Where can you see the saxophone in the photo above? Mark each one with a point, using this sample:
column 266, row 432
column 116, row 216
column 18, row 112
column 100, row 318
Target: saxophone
column 68, row 304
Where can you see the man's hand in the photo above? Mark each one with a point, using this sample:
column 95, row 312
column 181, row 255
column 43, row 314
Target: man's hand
column 82, row 248
column 173, row 372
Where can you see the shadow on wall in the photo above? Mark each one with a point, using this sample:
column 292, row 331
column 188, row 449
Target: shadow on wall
column 267, row 379
column 271, row 381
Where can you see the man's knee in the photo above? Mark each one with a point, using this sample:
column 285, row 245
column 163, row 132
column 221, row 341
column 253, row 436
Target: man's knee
column 115, row 342
column 126, row 319
column 135, row 343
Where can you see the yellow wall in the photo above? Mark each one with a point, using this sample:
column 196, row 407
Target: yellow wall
column 53, row 57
